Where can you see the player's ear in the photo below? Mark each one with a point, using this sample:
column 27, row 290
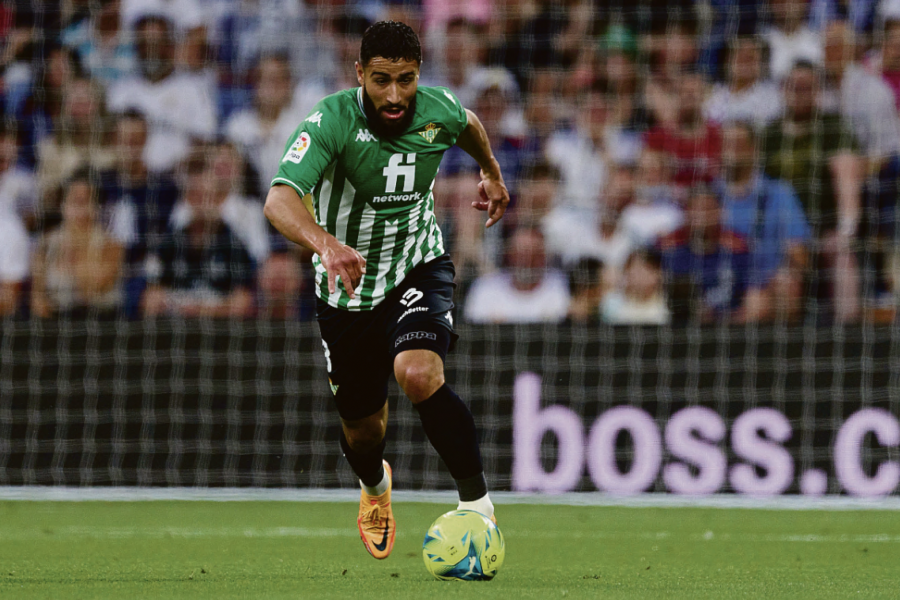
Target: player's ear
column 360, row 75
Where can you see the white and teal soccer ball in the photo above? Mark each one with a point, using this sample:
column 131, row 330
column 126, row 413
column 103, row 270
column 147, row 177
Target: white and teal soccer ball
column 464, row 545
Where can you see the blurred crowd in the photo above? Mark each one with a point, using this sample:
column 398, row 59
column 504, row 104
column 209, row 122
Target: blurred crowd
column 683, row 161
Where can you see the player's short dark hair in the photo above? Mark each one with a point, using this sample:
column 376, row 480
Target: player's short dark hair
column 391, row 40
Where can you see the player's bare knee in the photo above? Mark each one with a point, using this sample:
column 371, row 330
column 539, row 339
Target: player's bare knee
column 419, row 377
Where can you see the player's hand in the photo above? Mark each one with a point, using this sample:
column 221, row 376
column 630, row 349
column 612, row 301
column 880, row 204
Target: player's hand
column 345, row 262
column 493, row 197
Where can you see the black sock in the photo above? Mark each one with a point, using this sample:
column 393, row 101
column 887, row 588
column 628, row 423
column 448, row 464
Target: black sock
column 451, row 429
column 367, row 465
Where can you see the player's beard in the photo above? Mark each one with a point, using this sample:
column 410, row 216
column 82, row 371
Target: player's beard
column 382, row 129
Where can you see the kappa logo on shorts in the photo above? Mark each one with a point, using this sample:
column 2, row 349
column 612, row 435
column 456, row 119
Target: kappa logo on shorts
column 415, row 335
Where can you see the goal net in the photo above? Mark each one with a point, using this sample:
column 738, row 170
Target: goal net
column 693, row 290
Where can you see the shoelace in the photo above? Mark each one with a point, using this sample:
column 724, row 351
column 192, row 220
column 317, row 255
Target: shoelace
column 372, row 518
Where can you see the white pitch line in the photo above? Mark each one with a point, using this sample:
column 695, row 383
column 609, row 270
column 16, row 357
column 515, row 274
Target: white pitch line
column 653, row 500
column 115, row 533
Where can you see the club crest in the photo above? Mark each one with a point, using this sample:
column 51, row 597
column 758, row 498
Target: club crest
column 431, row 131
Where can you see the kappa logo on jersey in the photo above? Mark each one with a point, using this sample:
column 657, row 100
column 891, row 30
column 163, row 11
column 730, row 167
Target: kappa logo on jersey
column 316, row 118
column 298, row 149
column 397, row 169
column 365, row 136
column 431, row 131
column 450, row 96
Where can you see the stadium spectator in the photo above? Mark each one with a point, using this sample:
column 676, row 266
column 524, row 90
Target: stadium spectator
column 654, row 185
column 137, row 203
column 346, row 31
column 18, row 186
column 240, row 211
column 582, row 154
column 639, row 299
column 886, row 63
column 745, row 95
column 463, row 67
column 496, row 104
column 613, row 229
column 201, row 268
column 40, row 108
column 77, row 267
column 789, row 38
column 537, row 193
column 279, row 287
column 693, row 144
column 673, row 54
column 859, row 14
column 543, row 35
column 259, row 131
column 244, row 32
column 619, row 78
column 864, row 101
column 178, row 106
column 14, row 259
column 524, row 292
column 768, row 215
column 818, row 156
column 81, row 139
column 586, row 289
column 707, row 267
column 105, row 50
column 598, row 231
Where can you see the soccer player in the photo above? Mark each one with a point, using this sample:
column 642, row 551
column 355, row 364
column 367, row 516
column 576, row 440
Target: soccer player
column 369, row 156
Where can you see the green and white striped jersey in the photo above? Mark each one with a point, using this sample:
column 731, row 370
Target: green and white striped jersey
column 373, row 194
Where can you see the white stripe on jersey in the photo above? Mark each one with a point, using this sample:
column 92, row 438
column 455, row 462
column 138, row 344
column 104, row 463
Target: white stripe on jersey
column 400, row 267
column 345, row 208
column 366, row 225
column 384, row 261
column 325, row 195
column 431, row 227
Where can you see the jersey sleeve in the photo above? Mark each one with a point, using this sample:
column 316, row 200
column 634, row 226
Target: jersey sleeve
column 313, row 146
column 456, row 119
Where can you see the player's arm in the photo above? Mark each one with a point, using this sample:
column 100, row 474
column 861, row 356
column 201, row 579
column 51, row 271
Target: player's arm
column 285, row 210
column 494, row 196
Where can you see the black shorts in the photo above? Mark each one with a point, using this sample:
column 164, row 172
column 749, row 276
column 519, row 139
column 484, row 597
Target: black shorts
column 360, row 346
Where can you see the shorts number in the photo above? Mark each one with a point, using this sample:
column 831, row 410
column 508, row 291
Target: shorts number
column 327, row 356
column 411, row 296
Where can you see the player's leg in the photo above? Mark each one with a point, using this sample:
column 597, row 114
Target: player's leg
column 420, row 333
column 362, row 442
column 447, row 421
column 359, row 382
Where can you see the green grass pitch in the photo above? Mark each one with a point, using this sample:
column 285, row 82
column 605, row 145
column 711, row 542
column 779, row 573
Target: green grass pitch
column 220, row 550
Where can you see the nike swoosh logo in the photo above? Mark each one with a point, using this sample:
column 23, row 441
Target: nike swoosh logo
column 380, row 547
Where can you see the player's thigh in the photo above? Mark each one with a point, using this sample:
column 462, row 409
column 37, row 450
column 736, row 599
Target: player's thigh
column 419, row 313
column 358, row 367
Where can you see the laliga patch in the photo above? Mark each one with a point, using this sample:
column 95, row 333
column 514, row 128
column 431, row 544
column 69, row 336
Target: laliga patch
column 298, row 149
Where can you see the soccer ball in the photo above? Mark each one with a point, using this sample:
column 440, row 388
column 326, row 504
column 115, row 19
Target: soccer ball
column 464, row 545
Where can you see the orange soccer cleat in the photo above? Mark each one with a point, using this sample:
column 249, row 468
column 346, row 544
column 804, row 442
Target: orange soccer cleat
column 377, row 527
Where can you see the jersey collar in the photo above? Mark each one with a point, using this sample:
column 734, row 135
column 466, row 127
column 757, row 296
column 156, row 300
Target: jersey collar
column 359, row 101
